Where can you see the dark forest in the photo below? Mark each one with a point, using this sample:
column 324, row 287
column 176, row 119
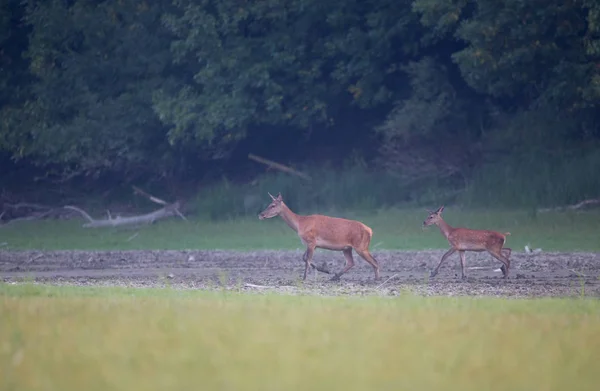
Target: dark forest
column 476, row 102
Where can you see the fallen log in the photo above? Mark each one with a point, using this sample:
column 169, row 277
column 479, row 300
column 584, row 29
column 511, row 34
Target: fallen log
column 577, row 206
column 279, row 166
column 25, row 211
column 148, row 218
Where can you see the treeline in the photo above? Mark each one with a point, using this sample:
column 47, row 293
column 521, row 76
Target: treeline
column 431, row 91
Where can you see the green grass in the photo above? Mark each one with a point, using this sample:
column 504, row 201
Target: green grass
column 59, row 338
column 393, row 229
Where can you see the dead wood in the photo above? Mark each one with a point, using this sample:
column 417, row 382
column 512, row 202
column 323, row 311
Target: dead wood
column 278, row 166
column 148, row 218
column 137, row 190
column 168, row 210
column 577, row 206
column 25, row 211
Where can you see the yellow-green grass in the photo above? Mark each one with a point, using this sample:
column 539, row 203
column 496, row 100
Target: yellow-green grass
column 393, row 229
column 57, row 338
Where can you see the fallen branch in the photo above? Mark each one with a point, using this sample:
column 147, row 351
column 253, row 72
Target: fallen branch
column 137, row 190
column 580, row 274
column 579, row 205
column 148, row 218
column 385, row 282
column 41, row 211
column 278, row 166
column 26, row 205
column 248, row 285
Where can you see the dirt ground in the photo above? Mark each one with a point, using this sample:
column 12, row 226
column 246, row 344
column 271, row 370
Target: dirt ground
column 543, row 274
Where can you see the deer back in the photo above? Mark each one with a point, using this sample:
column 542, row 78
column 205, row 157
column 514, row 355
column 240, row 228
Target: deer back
column 334, row 231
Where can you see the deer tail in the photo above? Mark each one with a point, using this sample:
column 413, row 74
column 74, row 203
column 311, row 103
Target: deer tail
column 369, row 231
column 506, row 233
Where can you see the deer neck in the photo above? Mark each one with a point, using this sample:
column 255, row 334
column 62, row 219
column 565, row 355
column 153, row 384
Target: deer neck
column 445, row 228
column 290, row 218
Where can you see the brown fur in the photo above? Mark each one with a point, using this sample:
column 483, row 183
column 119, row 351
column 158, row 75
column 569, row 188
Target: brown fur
column 330, row 233
column 465, row 239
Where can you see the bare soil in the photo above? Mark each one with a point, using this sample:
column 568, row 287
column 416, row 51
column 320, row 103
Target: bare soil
column 531, row 275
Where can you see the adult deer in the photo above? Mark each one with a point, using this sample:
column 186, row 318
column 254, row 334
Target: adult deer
column 330, row 233
column 464, row 239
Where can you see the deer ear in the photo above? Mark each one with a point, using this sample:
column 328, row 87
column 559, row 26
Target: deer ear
column 440, row 209
column 279, row 197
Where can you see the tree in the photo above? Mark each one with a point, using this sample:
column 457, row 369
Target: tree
column 526, row 55
column 96, row 65
column 425, row 135
column 13, row 39
column 293, row 63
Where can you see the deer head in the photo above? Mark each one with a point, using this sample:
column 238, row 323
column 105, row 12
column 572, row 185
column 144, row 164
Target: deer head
column 274, row 208
column 434, row 216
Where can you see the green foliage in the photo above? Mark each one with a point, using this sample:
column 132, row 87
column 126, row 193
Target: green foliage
column 139, row 88
column 353, row 188
column 536, row 179
column 528, row 49
column 96, row 66
column 433, row 107
column 264, row 62
column 441, row 17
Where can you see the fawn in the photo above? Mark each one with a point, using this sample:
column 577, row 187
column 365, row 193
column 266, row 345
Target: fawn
column 330, row 233
column 464, row 239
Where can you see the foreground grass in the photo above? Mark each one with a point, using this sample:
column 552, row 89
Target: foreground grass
column 122, row 339
column 393, row 229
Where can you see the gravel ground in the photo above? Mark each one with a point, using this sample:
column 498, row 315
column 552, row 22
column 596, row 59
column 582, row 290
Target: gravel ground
column 543, row 274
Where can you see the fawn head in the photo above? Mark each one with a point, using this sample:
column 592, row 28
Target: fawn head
column 273, row 209
column 434, row 216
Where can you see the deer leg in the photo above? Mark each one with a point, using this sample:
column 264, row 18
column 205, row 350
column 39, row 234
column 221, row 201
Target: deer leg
column 505, row 261
column 366, row 255
column 348, row 266
column 323, row 268
column 310, row 249
column 507, row 256
column 461, row 253
column 434, row 272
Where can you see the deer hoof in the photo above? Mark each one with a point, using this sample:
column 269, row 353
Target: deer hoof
column 433, row 273
column 464, row 277
column 324, row 268
column 335, row 278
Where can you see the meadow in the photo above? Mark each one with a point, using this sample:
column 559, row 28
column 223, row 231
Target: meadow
column 67, row 338
column 73, row 337
column 394, row 229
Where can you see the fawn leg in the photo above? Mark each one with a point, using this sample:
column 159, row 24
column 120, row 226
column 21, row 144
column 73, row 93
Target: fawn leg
column 310, row 249
column 434, row 272
column 505, row 262
column 366, row 255
column 349, row 264
column 461, row 253
column 507, row 256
